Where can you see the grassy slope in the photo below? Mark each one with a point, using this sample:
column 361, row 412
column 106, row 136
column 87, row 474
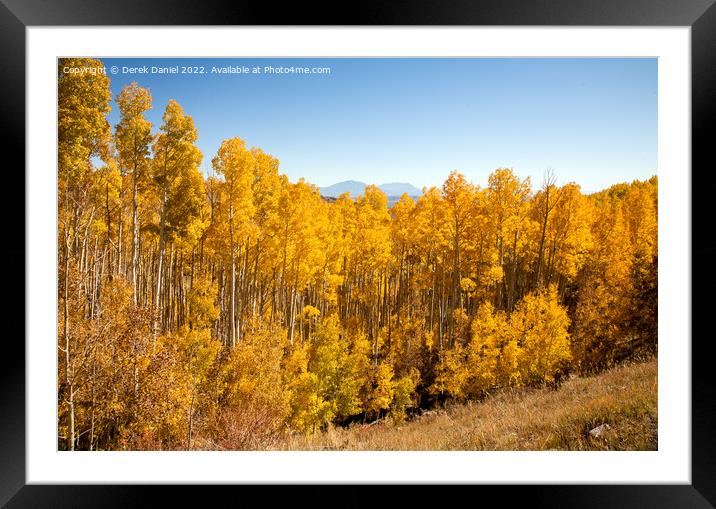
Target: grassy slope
column 537, row 419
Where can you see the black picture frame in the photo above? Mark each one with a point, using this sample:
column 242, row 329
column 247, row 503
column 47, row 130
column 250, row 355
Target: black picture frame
column 700, row 15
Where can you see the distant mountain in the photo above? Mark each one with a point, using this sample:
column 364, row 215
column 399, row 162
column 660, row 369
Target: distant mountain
column 399, row 188
column 349, row 186
column 356, row 188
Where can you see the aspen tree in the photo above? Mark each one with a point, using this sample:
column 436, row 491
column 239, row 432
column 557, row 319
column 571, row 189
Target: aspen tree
column 237, row 164
column 133, row 136
column 82, row 133
column 175, row 169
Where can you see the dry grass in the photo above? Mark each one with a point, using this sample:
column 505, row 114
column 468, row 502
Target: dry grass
column 625, row 398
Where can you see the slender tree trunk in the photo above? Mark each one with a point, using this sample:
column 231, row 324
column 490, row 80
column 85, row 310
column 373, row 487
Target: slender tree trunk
column 233, row 274
column 540, row 256
column 291, row 315
column 92, row 417
column 191, row 420
column 109, row 230
column 456, row 296
column 160, row 255
column 120, row 231
column 68, row 364
column 135, row 237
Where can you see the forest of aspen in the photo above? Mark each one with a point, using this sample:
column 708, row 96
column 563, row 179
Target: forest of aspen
column 229, row 311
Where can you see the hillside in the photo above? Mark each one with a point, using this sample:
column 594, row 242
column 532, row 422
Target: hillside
column 624, row 398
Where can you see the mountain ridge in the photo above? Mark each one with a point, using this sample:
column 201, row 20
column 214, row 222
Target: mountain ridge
column 357, row 188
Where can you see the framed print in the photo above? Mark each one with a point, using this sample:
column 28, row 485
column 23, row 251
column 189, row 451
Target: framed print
column 430, row 250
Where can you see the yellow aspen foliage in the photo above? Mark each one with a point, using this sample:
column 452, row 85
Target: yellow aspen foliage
column 459, row 198
column 359, row 358
column 372, row 229
column 300, row 254
column 201, row 300
column 642, row 316
column 568, row 237
column 177, row 390
column 618, row 285
column 311, row 312
column 540, row 323
column 483, row 249
column 429, row 341
column 109, row 389
column 333, row 283
column 506, row 206
column 180, row 199
column 310, row 315
column 107, row 189
column 133, row 133
column 432, row 239
column 237, row 165
column 604, row 289
column 382, row 389
column 215, row 241
column 82, row 130
column 508, row 371
column 452, row 373
column 338, row 373
column 309, row 412
column 403, row 224
column 404, row 396
column 467, row 285
column 409, row 346
column 253, row 396
column 460, row 325
column 133, row 137
column 265, row 186
column 186, row 209
column 641, row 218
column 431, row 220
column 493, row 274
column 199, row 351
column 165, row 399
column 484, row 352
column 179, row 183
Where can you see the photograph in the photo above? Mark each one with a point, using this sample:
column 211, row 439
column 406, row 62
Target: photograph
column 357, row 254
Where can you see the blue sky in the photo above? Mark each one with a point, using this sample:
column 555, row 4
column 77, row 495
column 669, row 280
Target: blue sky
column 593, row 121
